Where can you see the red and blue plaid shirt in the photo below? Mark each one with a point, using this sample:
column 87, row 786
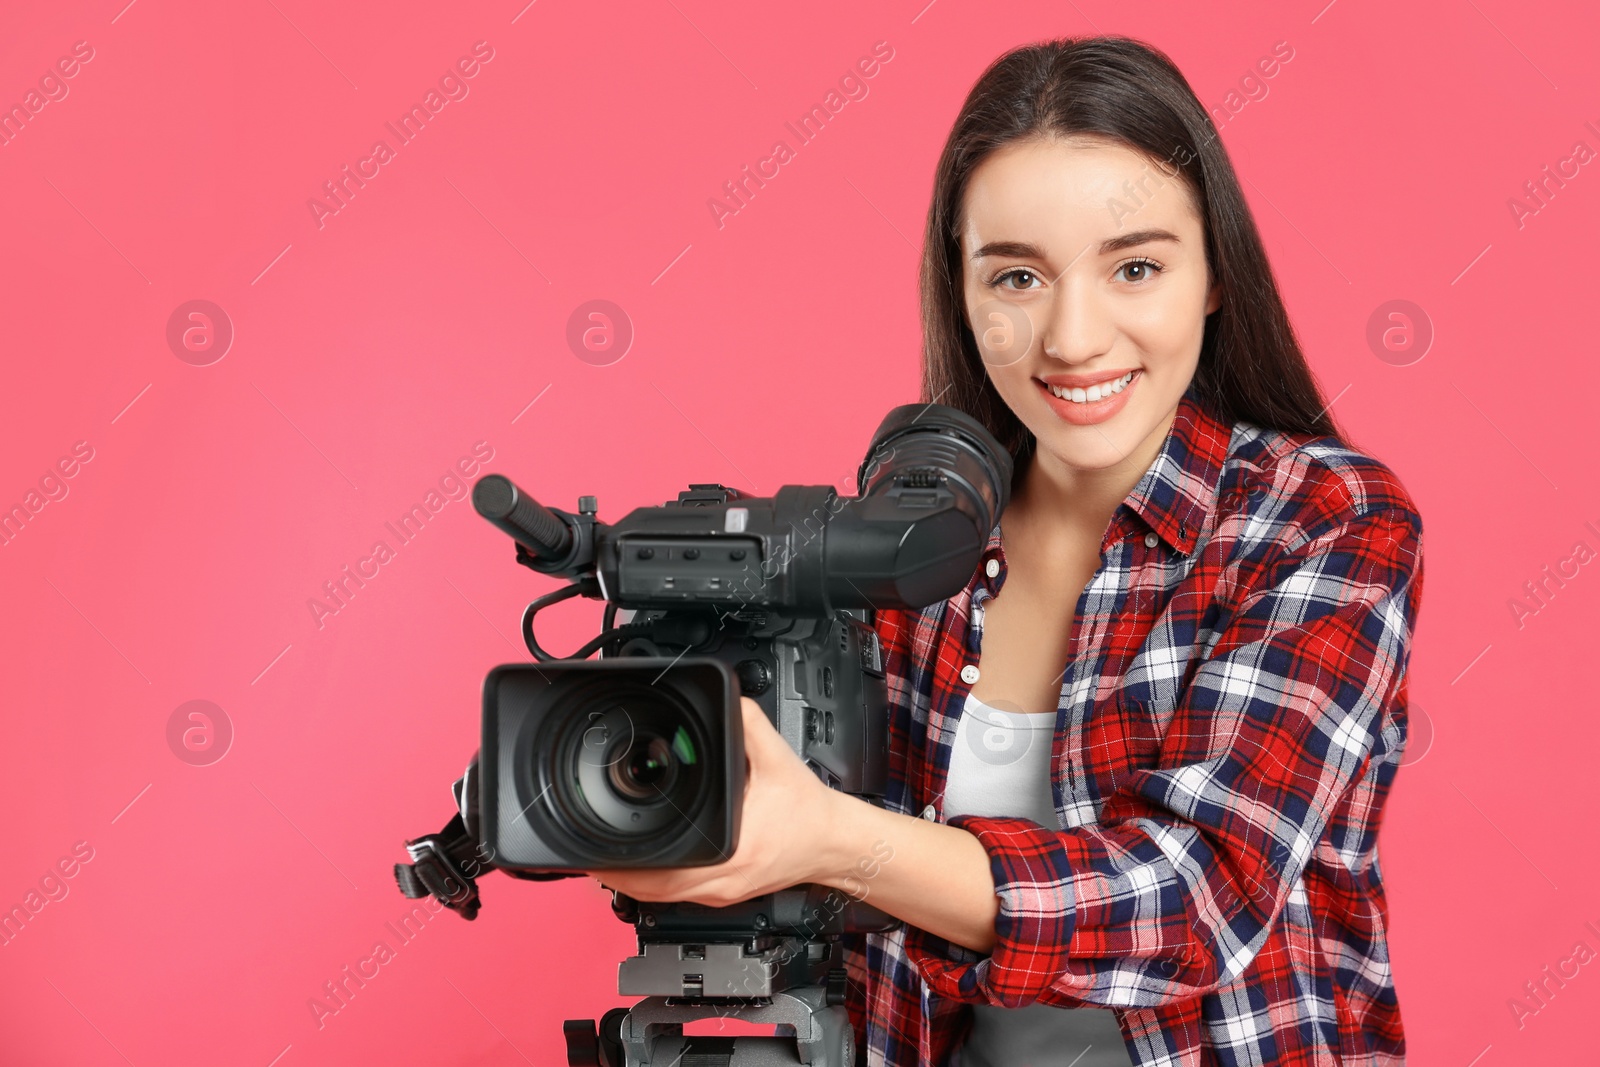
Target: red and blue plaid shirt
column 1230, row 722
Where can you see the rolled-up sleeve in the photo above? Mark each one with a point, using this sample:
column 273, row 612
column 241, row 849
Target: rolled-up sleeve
column 1173, row 891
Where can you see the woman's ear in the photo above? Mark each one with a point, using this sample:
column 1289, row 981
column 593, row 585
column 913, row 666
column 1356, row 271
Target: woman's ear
column 1214, row 296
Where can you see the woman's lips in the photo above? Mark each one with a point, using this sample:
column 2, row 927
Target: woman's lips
column 1092, row 411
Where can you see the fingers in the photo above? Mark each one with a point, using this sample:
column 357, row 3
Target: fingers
column 750, row 712
column 757, row 727
column 631, row 881
column 665, row 885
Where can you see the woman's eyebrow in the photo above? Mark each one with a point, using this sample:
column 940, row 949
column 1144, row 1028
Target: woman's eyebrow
column 1137, row 237
column 1010, row 250
column 1024, row 250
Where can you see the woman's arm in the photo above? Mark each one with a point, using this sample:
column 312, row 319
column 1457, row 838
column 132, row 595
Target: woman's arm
column 936, row 877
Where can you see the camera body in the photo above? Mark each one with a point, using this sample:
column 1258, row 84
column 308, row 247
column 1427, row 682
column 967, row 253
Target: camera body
column 639, row 753
column 636, row 759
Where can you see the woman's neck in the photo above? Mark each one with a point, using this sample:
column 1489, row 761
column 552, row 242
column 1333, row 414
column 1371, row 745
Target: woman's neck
column 1058, row 505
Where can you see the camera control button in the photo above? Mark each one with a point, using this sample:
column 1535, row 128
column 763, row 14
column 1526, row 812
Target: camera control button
column 969, row 674
column 992, row 568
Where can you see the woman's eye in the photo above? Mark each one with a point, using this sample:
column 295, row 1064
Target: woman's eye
column 1022, row 273
column 1140, row 270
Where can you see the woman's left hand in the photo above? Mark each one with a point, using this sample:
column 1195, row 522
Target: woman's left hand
column 783, row 831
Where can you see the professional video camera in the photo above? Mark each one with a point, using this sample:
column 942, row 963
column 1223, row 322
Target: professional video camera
column 637, row 759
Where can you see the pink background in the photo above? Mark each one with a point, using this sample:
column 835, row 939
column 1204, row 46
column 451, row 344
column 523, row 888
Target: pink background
column 372, row 353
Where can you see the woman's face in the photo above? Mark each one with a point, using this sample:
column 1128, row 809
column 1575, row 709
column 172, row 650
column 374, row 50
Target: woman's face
column 1085, row 276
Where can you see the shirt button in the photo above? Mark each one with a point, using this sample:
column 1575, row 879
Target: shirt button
column 969, row 674
column 992, row 568
column 1150, row 540
column 927, row 813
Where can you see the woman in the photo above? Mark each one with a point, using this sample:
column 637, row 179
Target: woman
column 1138, row 765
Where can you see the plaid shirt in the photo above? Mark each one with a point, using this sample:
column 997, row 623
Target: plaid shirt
column 1229, row 724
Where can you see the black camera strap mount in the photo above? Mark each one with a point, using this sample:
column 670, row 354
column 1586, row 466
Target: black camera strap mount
column 439, row 868
column 446, row 865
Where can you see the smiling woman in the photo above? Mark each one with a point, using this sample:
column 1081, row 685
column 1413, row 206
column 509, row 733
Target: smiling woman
column 1134, row 800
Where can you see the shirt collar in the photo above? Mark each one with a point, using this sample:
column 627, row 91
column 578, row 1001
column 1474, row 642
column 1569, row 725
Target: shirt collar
column 1177, row 493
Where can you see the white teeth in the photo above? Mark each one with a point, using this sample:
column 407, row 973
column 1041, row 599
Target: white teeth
column 1094, row 392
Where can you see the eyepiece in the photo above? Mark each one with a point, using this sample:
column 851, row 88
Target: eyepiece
column 937, row 440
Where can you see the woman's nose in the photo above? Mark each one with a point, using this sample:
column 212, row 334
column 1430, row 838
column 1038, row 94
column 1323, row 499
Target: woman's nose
column 1077, row 325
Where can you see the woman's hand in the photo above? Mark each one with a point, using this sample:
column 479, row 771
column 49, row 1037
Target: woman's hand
column 783, row 831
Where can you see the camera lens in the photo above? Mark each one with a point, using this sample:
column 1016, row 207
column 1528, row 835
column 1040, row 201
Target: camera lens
column 647, row 769
column 623, row 764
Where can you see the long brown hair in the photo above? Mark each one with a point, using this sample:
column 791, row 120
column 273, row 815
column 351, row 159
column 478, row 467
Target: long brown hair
column 1251, row 367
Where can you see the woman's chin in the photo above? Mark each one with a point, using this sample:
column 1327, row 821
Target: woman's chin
column 1104, row 445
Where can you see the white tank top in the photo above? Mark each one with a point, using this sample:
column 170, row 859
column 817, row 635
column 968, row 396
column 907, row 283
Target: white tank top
column 1000, row 765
